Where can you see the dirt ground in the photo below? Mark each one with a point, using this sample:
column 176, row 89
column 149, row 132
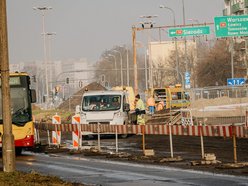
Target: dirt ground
column 189, row 149
column 31, row 179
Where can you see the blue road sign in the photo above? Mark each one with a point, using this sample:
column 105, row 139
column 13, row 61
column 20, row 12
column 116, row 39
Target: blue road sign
column 235, row 81
column 187, row 80
column 187, row 75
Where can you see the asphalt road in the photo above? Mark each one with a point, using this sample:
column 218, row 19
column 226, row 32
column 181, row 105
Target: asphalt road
column 103, row 172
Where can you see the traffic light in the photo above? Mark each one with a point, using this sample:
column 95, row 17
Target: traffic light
column 67, row 80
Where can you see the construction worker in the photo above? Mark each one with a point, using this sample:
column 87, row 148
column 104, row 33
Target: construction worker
column 140, row 110
column 151, row 104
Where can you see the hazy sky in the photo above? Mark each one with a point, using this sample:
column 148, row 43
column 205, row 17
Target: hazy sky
column 86, row 28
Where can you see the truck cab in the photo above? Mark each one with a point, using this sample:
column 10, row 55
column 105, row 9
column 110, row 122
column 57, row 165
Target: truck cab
column 105, row 107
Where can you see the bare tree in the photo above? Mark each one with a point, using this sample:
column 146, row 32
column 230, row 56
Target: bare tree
column 191, row 58
column 215, row 67
column 162, row 75
column 106, row 66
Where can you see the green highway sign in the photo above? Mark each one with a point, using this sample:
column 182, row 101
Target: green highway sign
column 231, row 26
column 189, row 31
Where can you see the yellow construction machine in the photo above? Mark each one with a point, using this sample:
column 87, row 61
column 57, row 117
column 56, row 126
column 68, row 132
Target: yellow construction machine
column 170, row 97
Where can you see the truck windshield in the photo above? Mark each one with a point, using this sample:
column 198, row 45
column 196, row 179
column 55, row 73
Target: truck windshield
column 101, row 102
column 19, row 106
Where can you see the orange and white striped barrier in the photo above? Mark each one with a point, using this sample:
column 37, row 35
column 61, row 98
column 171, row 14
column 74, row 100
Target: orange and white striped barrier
column 56, row 135
column 210, row 131
column 76, row 135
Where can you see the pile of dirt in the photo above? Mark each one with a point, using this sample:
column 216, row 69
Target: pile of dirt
column 200, row 103
column 77, row 97
column 200, row 107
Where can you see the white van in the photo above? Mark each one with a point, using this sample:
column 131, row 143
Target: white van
column 105, row 107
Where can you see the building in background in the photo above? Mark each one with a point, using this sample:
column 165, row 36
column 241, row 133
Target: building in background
column 235, row 7
column 74, row 75
column 78, row 72
column 163, row 59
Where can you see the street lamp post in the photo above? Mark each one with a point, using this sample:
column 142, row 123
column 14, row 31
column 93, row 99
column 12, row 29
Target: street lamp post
column 146, row 52
column 150, row 23
column 49, row 35
column 135, row 72
column 43, row 9
column 246, row 58
column 115, row 68
column 127, row 68
column 176, row 48
column 141, row 45
column 197, row 53
column 185, row 40
column 121, row 67
column 127, row 63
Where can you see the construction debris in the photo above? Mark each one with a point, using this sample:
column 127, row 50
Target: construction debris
column 149, row 152
column 209, row 159
column 233, row 165
column 174, row 159
column 119, row 155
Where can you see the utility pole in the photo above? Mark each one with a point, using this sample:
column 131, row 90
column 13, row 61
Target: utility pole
column 232, row 54
column 49, row 58
column 246, row 58
column 176, row 48
column 127, row 68
column 185, row 42
column 43, row 9
column 135, row 73
column 8, row 138
column 121, row 66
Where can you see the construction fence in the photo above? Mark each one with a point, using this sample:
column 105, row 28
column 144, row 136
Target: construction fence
column 57, row 129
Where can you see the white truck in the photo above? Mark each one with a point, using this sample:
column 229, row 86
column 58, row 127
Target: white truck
column 105, row 107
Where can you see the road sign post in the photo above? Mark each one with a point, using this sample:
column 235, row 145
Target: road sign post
column 231, row 26
column 189, row 31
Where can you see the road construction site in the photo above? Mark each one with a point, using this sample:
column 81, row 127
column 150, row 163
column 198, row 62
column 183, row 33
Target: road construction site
column 181, row 149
